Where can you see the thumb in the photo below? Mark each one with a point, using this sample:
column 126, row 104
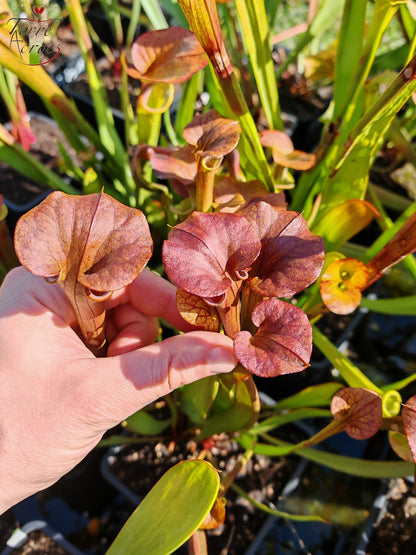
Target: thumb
column 123, row 384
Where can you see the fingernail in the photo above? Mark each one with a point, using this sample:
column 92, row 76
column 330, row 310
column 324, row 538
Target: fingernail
column 223, row 360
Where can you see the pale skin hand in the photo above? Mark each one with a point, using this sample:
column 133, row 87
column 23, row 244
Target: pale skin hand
column 57, row 399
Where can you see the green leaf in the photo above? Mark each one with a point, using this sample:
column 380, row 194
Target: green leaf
column 253, row 19
column 349, row 51
column 144, row 423
column 154, row 13
column 246, row 440
column 173, row 9
column 343, row 221
column 233, row 419
column 274, row 512
column 282, row 419
column 350, row 176
column 350, row 373
column 348, row 465
column 358, row 467
column 124, row 440
column 313, row 396
column 225, row 396
column 24, row 162
column 343, row 174
column 198, row 398
column 403, row 306
column 169, row 514
column 401, row 384
column 187, row 102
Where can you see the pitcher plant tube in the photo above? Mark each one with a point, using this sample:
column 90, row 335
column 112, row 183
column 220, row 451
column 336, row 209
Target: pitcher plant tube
column 240, row 263
column 91, row 246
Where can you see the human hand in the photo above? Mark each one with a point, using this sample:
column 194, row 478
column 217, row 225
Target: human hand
column 57, row 399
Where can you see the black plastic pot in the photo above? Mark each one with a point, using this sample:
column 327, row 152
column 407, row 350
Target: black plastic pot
column 112, row 479
column 384, row 528
column 22, row 535
column 344, row 501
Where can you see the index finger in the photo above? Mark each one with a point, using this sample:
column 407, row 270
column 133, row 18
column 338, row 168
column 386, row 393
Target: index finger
column 153, row 296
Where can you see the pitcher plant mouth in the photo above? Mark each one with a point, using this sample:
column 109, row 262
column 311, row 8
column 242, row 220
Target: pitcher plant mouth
column 90, row 245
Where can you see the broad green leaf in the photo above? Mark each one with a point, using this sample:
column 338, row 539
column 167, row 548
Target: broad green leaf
column 169, row 514
column 144, row 423
column 154, row 13
column 238, row 416
column 343, row 221
column 350, row 42
column 225, row 395
column 253, row 19
column 408, row 23
column 198, row 397
column 349, row 178
column 339, row 181
column 313, row 396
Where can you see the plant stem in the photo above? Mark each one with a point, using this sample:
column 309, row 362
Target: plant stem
column 206, row 169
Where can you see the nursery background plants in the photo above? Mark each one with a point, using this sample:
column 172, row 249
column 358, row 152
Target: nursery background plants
column 260, row 156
